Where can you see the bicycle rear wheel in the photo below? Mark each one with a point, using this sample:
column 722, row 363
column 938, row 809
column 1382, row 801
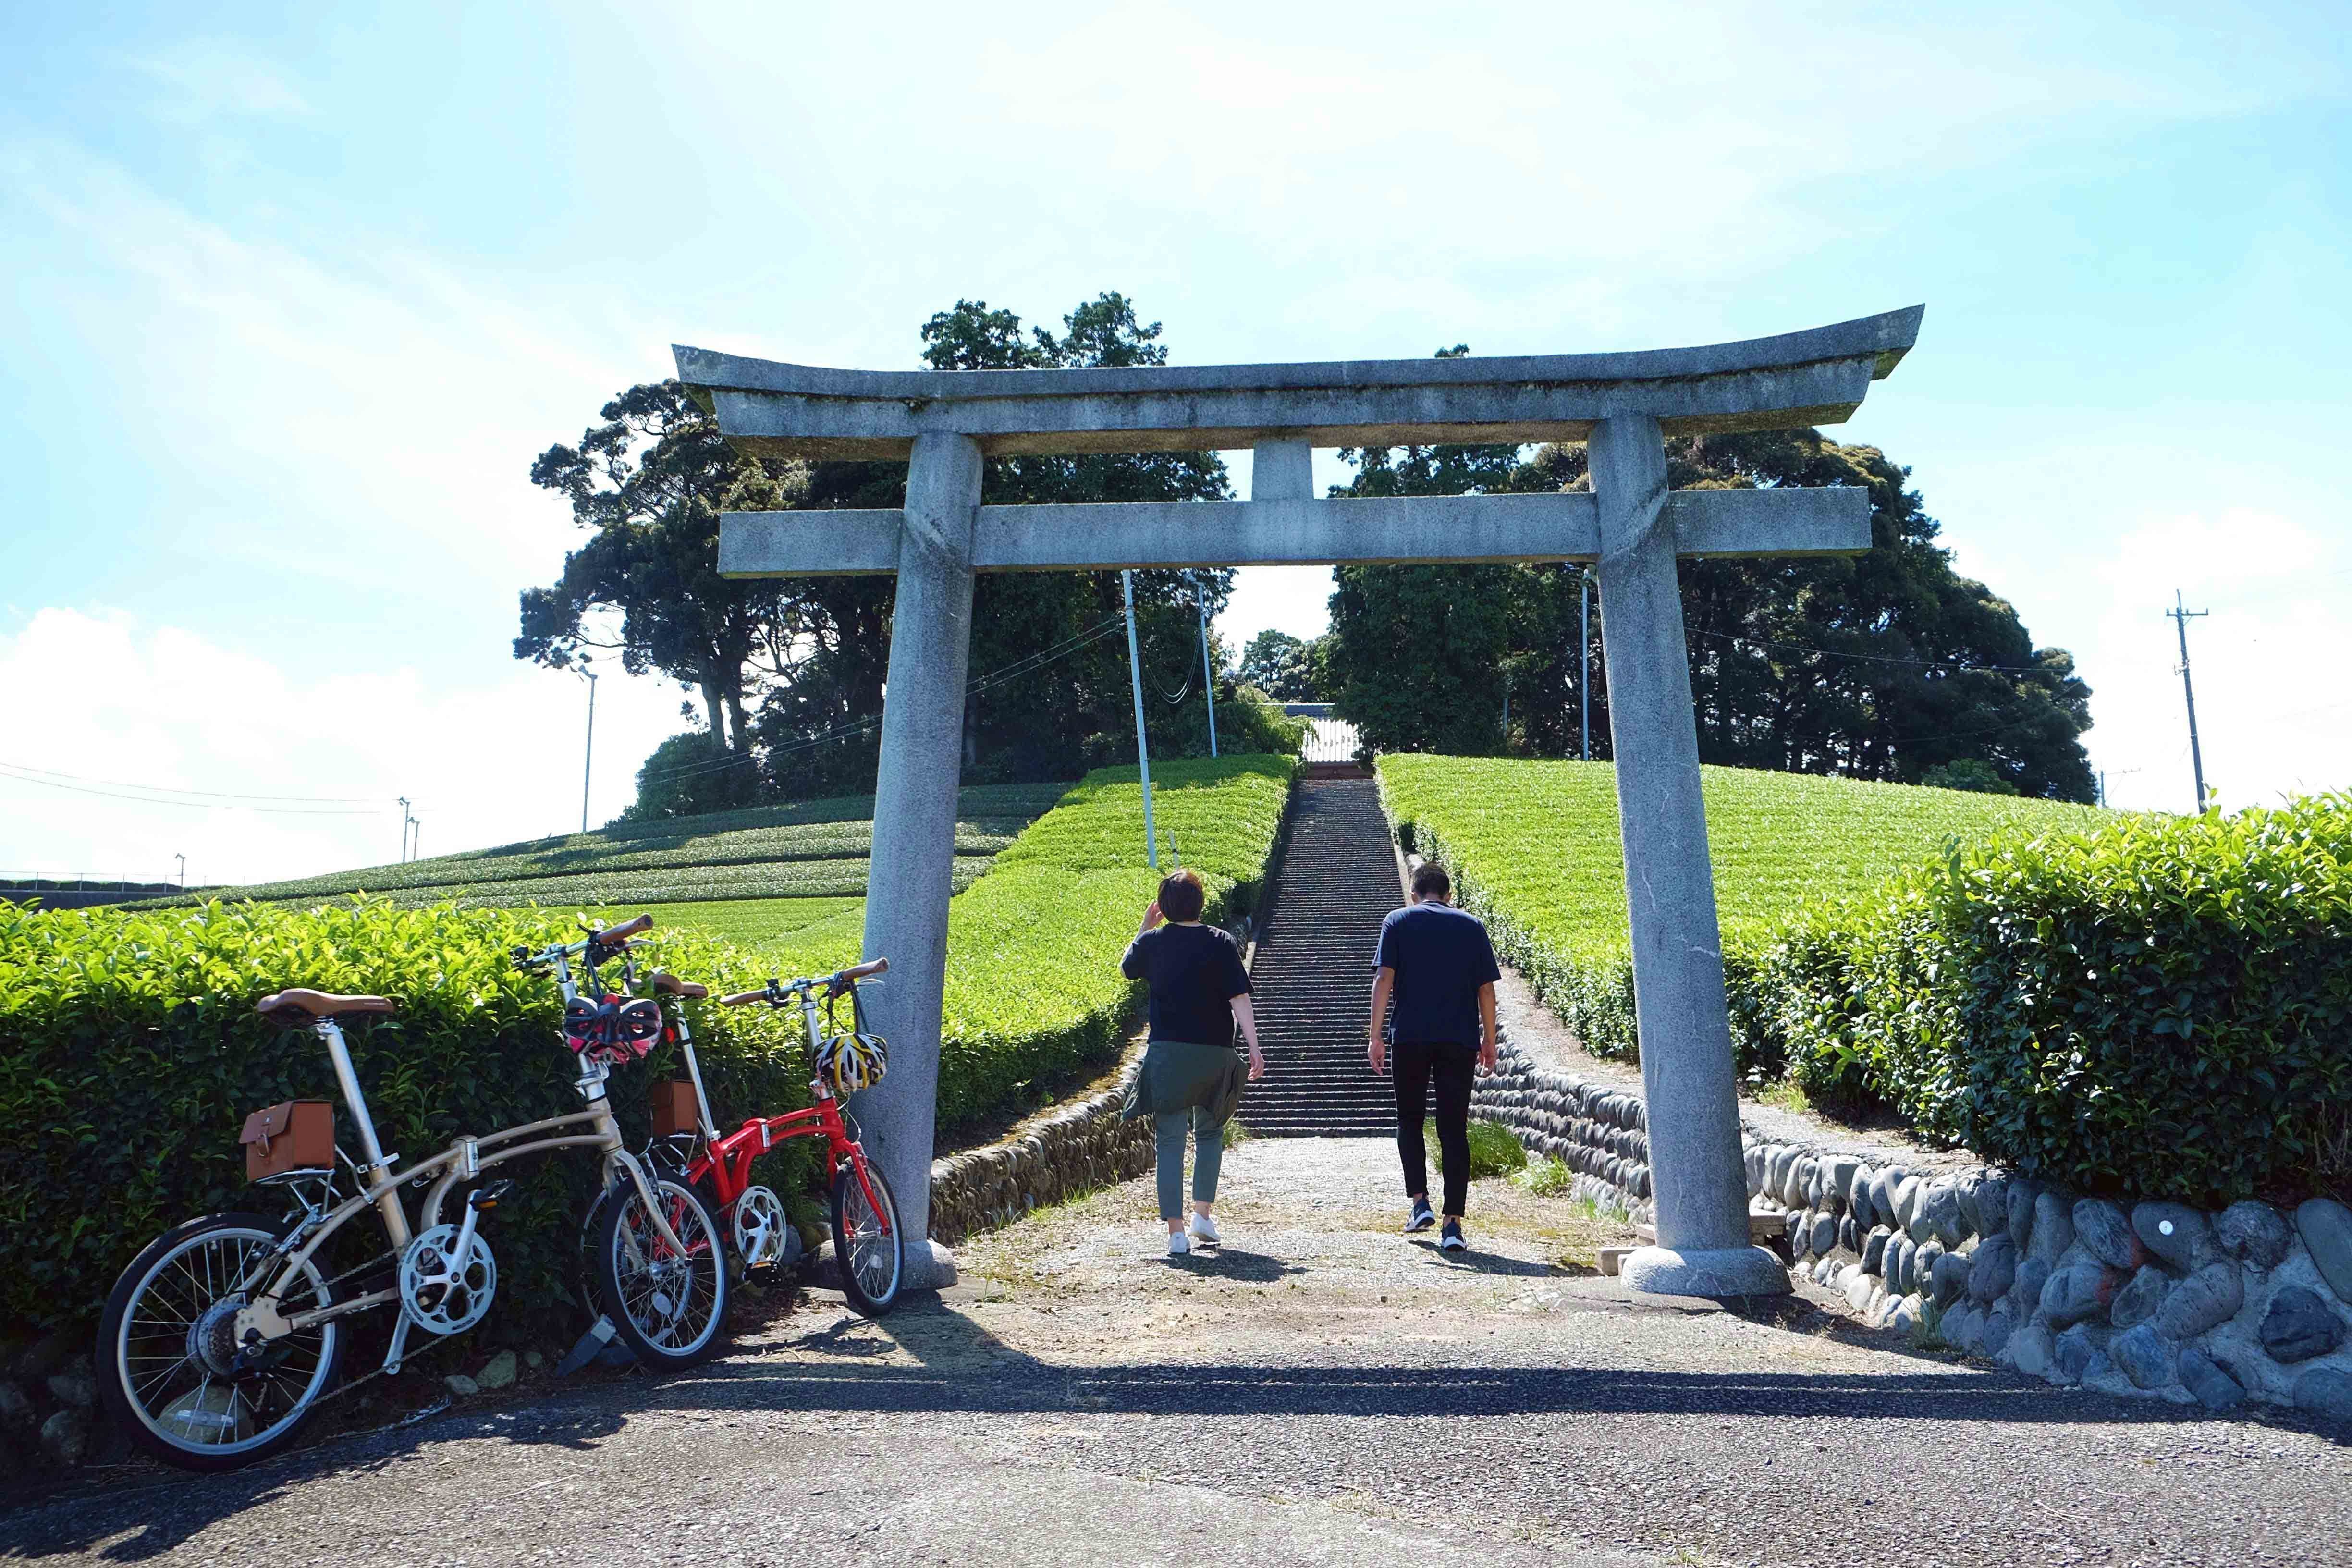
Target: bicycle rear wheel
column 668, row 1306
column 868, row 1247
column 170, row 1368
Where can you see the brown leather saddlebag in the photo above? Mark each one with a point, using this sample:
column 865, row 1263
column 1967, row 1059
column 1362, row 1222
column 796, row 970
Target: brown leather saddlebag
column 674, row 1109
column 299, row 1135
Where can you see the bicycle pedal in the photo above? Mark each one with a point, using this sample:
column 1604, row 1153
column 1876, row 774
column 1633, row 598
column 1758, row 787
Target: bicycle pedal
column 483, row 1199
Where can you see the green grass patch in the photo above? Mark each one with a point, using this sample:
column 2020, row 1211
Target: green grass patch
column 1533, row 849
column 754, row 925
column 1494, row 1151
column 1547, row 1177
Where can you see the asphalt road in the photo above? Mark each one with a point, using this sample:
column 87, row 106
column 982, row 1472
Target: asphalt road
column 1320, row 1390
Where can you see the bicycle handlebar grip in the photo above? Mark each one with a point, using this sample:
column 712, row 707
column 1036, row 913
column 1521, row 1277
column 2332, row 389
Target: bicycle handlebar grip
column 626, row 928
column 663, row 980
column 860, row 971
column 743, row 996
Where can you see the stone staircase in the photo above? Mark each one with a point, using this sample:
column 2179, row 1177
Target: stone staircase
column 1312, row 973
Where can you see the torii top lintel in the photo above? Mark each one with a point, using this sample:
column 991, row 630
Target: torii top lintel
column 1814, row 377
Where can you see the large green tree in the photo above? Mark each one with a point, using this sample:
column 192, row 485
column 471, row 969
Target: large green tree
column 1887, row 665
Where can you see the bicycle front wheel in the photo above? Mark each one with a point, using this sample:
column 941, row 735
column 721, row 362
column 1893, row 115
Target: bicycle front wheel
column 669, row 1306
column 868, row 1247
column 171, row 1368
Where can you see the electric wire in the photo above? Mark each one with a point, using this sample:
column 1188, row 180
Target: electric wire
column 7, row 773
column 175, row 789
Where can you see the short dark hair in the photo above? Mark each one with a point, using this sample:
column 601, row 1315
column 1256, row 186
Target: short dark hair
column 1430, row 881
column 1182, row 895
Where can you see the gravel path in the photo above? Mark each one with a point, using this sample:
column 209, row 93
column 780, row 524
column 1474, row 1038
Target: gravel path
column 1322, row 1390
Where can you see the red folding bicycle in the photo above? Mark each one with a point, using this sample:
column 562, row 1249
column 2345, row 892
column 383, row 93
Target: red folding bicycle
column 868, row 1247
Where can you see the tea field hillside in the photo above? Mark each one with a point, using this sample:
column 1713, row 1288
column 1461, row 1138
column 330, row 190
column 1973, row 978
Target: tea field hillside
column 750, row 876
column 1534, row 846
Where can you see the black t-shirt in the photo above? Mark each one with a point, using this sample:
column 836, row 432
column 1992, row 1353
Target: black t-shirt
column 1194, row 972
column 1440, row 957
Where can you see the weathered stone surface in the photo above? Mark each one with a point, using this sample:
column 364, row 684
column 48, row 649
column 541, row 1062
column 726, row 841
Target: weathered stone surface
column 2326, row 1393
column 47, row 1353
column 464, row 1387
column 1882, row 1183
column 1947, row 1279
column 1860, row 1204
column 1993, row 1267
column 64, row 1436
column 1792, row 1188
column 1906, row 1201
column 2071, row 1351
column 2325, row 1227
column 76, row 1389
column 1904, row 1316
column 1859, row 1289
column 1847, row 1236
column 18, row 1420
column 1923, row 1266
column 1990, row 1190
column 1901, row 1251
column 500, row 1373
column 2026, row 1293
column 2137, row 1303
column 2209, row 1381
column 2053, row 1227
column 2106, row 1235
column 2078, row 1292
column 1962, row 1328
column 2146, row 1357
column 1940, row 1216
column 1825, row 1232
column 2299, row 1326
column 1837, row 1180
column 1873, row 1248
column 2254, row 1233
column 2205, row 1300
column 1998, row 1325
column 2033, row 1350
column 2175, row 1233
column 2023, row 1192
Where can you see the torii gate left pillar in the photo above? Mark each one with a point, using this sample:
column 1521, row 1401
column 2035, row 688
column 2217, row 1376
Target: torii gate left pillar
column 1629, row 527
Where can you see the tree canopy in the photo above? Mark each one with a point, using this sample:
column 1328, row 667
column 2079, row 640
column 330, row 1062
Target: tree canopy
column 1888, row 665
column 1281, row 666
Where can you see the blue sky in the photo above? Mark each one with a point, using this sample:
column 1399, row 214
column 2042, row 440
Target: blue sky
column 293, row 298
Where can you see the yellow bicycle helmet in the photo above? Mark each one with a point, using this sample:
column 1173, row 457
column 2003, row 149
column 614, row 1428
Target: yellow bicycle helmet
column 848, row 1063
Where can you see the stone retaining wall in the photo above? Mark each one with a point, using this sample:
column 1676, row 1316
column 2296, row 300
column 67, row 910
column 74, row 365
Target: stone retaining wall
column 2158, row 1300
column 1068, row 1151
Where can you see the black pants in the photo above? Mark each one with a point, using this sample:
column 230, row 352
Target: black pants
column 1450, row 1067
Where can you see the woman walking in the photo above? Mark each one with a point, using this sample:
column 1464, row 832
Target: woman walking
column 1191, row 1076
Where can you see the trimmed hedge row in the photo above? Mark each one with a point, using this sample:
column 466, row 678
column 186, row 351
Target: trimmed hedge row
column 130, row 1054
column 2161, row 1007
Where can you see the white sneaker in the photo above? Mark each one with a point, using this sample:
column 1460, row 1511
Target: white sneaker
column 1205, row 1229
column 1176, row 1245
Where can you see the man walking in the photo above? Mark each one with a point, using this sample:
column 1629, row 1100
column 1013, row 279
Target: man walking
column 1436, row 962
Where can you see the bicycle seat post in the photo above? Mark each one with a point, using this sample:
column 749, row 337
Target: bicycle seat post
column 379, row 1169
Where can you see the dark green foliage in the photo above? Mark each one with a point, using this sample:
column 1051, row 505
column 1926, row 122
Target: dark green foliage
column 130, row 1054
column 1494, row 1151
column 693, row 774
column 2161, row 1007
column 1281, row 666
column 1972, row 773
column 1885, row 666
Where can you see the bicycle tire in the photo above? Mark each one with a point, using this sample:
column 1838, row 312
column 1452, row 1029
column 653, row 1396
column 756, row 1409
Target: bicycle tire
column 876, row 1290
column 132, row 1403
column 688, row 1329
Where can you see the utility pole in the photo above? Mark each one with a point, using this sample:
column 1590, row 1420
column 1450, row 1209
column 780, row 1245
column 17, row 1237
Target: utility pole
column 404, row 820
column 1584, row 654
column 588, row 762
column 183, row 859
column 1208, row 665
column 1142, row 747
column 2181, row 616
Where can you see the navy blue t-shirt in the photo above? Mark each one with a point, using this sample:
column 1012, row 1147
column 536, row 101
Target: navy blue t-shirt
column 1440, row 957
column 1194, row 972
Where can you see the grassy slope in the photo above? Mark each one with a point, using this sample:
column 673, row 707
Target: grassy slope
column 808, row 849
column 1534, row 846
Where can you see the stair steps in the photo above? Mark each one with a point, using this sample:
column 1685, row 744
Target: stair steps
column 1312, row 972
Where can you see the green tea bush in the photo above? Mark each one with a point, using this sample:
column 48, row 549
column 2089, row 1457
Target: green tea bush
column 130, row 1054
column 1534, row 850
column 1034, row 989
column 2158, row 1007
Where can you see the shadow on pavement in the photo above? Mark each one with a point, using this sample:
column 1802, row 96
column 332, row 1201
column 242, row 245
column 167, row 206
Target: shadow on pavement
column 1232, row 1263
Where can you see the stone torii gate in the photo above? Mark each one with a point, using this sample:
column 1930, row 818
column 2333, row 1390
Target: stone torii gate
column 1629, row 527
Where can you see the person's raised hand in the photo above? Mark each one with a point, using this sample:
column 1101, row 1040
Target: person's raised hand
column 1152, row 915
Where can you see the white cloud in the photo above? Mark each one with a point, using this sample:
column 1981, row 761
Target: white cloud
column 128, row 709
column 202, row 80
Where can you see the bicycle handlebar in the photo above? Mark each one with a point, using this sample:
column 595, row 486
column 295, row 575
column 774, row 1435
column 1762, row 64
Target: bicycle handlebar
column 664, row 981
column 743, row 996
column 626, row 928
column 775, row 991
column 613, row 938
column 860, row 971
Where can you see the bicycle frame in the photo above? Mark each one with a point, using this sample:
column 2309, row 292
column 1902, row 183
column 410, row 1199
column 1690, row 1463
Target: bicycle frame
column 466, row 1158
column 726, row 1162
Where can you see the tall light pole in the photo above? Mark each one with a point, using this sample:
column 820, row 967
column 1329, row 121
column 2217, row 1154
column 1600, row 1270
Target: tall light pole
column 1208, row 665
column 406, row 822
column 1584, row 657
column 183, row 859
column 2181, row 615
column 1142, row 747
column 588, row 761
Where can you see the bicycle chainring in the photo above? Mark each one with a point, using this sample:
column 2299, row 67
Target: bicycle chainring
column 760, row 1228
column 444, row 1293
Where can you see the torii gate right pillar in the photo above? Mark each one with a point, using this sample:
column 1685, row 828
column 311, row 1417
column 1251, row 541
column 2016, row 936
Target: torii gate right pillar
column 1699, row 1189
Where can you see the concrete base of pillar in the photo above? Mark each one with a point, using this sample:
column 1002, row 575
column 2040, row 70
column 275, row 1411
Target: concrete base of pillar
column 1716, row 1271
column 930, row 1266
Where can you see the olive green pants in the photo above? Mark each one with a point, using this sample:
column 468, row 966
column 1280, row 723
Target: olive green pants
column 1207, row 1123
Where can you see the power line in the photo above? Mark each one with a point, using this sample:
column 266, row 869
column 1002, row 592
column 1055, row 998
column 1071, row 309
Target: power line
column 7, row 772
column 175, row 789
column 1878, row 657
